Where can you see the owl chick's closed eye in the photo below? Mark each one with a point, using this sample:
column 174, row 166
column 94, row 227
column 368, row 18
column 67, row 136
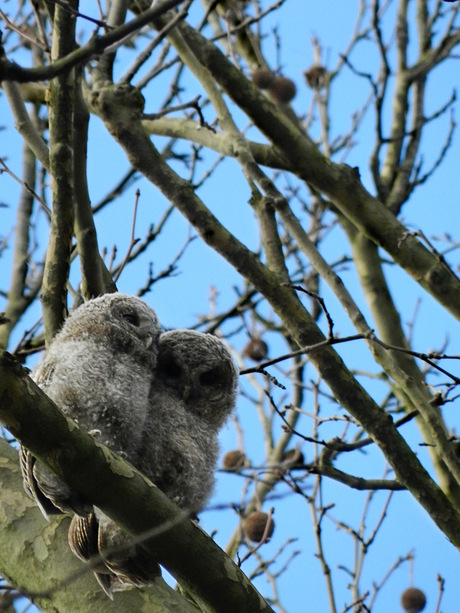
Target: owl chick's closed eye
column 98, row 371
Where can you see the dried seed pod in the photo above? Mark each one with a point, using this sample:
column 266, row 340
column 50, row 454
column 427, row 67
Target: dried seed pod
column 263, row 78
column 315, row 77
column 413, row 600
column 255, row 524
column 293, row 457
column 235, row 459
column 283, row 90
column 256, row 349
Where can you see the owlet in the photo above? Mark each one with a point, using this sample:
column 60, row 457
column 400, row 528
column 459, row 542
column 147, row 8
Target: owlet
column 98, row 370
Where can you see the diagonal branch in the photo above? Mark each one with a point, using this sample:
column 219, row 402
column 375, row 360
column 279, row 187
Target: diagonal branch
column 73, row 454
column 37, row 560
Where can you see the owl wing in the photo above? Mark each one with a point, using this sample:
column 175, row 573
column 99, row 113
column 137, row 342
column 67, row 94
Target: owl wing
column 27, row 463
column 121, row 563
column 51, row 494
column 83, row 541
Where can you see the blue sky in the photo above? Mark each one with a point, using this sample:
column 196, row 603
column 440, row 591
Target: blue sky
column 179, row 300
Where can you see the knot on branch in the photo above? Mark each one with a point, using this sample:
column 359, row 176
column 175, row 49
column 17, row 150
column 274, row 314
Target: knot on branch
column 10, row 366
column 118, row 103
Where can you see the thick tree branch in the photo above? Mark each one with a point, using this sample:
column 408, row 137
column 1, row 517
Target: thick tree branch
column 61, row 107
column 187, row 129
column 124, row 494
column 35, row 557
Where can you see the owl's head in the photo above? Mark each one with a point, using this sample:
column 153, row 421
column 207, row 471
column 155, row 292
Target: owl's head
column 125, row 322
column 199, row 369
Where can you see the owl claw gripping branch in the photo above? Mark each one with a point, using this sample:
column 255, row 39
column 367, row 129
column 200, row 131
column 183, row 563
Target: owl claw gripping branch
column 157, row 399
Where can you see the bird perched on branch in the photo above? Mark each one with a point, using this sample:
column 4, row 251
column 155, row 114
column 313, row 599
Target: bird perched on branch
column 159, row 401
column 98, row 370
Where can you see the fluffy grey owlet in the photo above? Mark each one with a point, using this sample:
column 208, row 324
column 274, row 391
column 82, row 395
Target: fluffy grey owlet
column 192, row 394
column 98, row 370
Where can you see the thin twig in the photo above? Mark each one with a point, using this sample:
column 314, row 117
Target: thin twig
column 133, row 240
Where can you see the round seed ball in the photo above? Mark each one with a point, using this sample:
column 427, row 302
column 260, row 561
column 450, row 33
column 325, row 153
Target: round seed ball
column 234, row 459
column 413, row 600
column 263, row 78
column 294, row 457
column 254, row 526
column 256, row 349
column 315, row 76
column 283, row 90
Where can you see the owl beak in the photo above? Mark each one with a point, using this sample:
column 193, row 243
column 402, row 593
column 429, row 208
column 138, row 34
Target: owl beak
column 149, row 342
column 187, row 392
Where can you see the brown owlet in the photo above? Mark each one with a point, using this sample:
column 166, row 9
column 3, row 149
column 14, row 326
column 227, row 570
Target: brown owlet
column 98, row 370
column 192, row 394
